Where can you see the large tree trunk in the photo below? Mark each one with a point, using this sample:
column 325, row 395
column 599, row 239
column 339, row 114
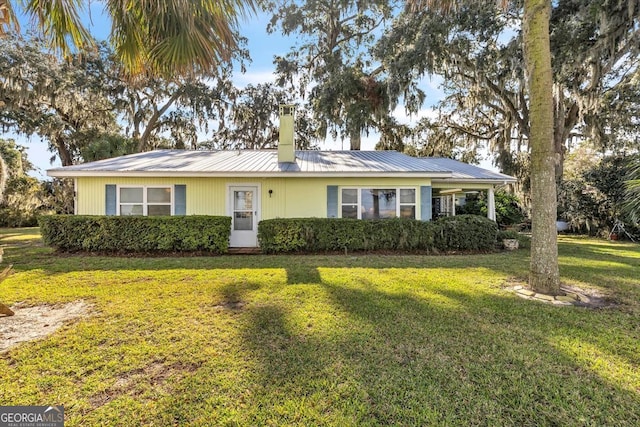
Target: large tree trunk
column 63, row 151
column 544, row 275
column 355, row 140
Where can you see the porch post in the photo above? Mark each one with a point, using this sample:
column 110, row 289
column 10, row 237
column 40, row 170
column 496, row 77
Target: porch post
column 453, row 204
column 491, row 205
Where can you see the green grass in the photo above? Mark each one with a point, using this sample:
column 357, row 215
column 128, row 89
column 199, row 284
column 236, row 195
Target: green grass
column 327, row 340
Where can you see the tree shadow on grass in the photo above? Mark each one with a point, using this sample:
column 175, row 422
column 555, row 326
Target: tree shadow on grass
column 602, row 251
column 302, row 274
column 415, row 361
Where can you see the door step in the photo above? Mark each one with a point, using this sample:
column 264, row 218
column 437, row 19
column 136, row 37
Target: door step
column 244, row 251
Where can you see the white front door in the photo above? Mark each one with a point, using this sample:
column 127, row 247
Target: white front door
column 244, row 209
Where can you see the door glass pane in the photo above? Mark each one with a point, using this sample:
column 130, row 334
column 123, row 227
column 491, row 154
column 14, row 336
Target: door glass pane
column 153, row 210
column 407, row 195
column 158, row 195
column 131, row 195
column 243, row 221
column 243, row 200
column 378, row 203
column 130, row 209
column 349, row 196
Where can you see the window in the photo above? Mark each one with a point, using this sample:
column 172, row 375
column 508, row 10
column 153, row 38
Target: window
column 149, row 201
column 350, row 203
column 408, row 203
column 378, row 203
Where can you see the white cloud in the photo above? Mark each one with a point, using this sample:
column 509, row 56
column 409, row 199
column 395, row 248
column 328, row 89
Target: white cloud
column 400, row 113
column 254, row 78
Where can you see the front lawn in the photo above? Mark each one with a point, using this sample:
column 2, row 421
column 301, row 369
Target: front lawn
column 326, row 340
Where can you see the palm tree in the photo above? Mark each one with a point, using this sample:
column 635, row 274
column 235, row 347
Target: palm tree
column 632, row 204
column 544, row 275
column 154, row 37
column 161, row 38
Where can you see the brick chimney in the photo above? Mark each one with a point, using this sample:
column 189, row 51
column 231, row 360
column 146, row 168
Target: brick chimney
column 286, row 147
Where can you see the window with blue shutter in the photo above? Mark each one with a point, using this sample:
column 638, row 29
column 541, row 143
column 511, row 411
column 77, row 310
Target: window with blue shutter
column 332, row 201
column 180, row 199
column 426, row 193
column 110, row 199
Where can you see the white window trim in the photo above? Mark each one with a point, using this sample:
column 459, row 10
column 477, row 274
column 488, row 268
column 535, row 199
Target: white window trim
column 378, row 187
column 145, row 204
column 414, row 204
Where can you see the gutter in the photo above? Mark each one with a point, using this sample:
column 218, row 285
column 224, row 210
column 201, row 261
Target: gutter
column 61, row 173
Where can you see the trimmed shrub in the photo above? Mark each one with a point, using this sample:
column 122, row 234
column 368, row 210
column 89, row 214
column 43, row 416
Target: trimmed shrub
column 465, row 232
column 136, row 234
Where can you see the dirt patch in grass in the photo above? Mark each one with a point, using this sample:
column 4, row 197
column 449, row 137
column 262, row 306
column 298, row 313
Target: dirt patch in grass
column 230, row 305
column 134, row 382
column 32, row 323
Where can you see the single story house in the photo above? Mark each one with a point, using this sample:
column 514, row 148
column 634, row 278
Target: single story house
column 252, row 185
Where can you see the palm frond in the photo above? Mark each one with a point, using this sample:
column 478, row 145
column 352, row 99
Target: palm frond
column 8, row 20
column 632, row 193
column 175, row 36
column 60, row 22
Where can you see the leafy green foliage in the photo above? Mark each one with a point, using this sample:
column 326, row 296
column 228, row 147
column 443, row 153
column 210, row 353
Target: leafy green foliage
column 508, row 209
column 487, row 101
column 24, row 197
column 135, row 234
column 632, row 194
column 464, row 233
column 86, row 111
column 344, row 234
column 107, row 147
column 253, row 122
column 66, row 103
column 594, row 197
column 151, row 38
column 332, row 65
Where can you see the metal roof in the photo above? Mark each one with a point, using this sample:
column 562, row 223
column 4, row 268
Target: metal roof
column 254, row 162
column 463, row 171
column 264, row 163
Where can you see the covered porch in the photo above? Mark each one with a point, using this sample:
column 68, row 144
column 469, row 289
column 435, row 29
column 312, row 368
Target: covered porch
column 450, row 194
column 447, row 201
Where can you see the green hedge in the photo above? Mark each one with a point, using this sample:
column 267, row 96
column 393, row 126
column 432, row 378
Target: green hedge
column 464, row 232
column 137, row 234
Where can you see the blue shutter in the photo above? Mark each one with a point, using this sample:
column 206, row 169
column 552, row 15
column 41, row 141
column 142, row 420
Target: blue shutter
column 332, row 201
column 425, row 202
column 110, row 200
column 180, row 199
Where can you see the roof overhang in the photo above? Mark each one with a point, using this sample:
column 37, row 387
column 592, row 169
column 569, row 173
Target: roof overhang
column 62, row 173
column 471, row 181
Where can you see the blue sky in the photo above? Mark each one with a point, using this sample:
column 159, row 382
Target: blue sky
column 262, row 47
